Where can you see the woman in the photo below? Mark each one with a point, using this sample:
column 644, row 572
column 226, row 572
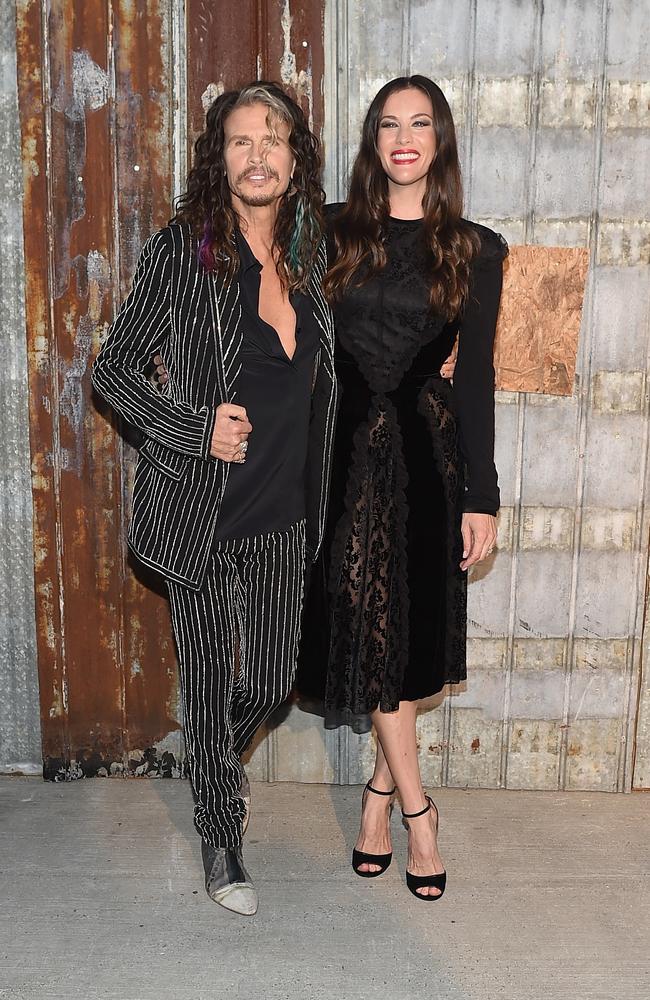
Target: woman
column 414, row 493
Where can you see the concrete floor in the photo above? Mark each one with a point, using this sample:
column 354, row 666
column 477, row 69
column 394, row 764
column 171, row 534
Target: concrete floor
column 102, row 898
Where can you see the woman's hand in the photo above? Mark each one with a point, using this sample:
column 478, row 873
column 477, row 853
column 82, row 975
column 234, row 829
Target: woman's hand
column 160, row 374
column 449, row 367
column 479, row 533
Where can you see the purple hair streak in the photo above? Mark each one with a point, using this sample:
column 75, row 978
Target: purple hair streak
column 206, row 248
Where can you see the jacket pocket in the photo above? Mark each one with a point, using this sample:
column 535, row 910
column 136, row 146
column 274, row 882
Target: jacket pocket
column 172, row 463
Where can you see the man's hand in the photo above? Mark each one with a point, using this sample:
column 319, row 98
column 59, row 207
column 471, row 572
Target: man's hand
column 230, row 433
column 449, row 367
column 231, row 425
column 479, row 533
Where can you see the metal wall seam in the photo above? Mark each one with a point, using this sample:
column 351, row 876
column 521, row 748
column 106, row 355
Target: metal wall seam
column 583, row 385
column 534, row 89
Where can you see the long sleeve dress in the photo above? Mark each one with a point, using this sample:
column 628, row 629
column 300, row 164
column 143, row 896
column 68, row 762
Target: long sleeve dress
column 385, row 616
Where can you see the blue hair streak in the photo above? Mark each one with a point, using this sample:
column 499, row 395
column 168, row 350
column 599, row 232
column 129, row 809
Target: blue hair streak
column 304, row 226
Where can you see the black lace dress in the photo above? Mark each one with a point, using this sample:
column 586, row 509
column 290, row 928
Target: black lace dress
column 385, row 615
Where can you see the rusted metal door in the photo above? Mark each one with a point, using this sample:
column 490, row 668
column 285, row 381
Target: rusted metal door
column 110, row 93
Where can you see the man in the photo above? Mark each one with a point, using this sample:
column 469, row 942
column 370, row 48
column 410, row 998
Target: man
column 231, row 481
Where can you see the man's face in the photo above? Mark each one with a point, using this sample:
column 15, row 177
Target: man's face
column 258, row 158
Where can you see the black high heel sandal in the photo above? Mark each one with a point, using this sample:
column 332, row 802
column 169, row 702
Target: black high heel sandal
column 361, row 857
column 415, row 882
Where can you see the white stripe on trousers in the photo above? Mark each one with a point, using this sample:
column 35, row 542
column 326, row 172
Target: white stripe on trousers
column 251, row 598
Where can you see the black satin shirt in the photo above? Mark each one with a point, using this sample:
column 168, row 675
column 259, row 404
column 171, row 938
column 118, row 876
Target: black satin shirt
column 267, row 492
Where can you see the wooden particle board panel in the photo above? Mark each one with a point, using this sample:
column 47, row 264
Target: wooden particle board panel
column 539, row 320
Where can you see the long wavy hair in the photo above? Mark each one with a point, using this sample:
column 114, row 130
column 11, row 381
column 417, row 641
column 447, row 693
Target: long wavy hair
column 360, row 228
column 207, row 208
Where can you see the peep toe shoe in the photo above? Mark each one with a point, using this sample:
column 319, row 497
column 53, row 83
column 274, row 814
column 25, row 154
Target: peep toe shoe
column 415, row 882
column 362, row 857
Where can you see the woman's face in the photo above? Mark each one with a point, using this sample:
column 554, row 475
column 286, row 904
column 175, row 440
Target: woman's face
column 406, row 140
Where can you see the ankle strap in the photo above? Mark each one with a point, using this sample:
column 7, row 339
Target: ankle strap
column 420, row 813
column 377, row 791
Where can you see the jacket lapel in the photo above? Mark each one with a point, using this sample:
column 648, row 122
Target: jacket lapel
column 322, row 311
column 324, row 401
column 225, row 310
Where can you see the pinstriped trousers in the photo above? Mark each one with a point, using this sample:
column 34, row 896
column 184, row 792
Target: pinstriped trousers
column 251, row 600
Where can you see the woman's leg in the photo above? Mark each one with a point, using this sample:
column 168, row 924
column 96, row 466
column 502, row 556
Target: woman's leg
column 374, row 833
column 396, row 733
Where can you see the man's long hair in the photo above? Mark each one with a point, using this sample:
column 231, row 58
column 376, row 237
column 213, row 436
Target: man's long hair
column 206, row 207
column 360, row 228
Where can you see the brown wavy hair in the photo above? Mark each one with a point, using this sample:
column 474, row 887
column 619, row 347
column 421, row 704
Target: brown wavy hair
column 206, row 206
column 360, row 227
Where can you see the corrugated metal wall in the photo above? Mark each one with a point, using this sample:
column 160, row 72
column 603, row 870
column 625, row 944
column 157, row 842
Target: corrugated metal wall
column 551, row 101
column 95, row 101
column 20, row 741
column 106, row 90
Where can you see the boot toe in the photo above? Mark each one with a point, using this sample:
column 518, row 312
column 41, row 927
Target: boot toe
column 240, row 899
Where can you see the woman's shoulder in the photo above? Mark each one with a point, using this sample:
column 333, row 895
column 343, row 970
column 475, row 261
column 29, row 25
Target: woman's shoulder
column 333, row 208
column 332, row 212
column 493, row 247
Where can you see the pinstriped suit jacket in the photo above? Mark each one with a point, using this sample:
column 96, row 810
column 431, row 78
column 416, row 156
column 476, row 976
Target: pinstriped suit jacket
column 193, row 319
